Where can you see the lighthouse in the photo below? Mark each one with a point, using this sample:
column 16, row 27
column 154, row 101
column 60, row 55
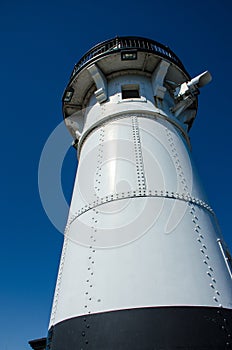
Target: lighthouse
column 143, row 265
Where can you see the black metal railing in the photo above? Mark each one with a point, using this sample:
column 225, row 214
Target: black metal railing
column 127, row 43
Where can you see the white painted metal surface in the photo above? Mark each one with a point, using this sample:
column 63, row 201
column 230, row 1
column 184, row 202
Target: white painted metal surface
column 140, row 231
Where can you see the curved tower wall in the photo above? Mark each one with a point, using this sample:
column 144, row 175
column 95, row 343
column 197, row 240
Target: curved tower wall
column 142, row 245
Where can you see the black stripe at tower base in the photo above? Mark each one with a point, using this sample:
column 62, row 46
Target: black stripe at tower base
column 158, row 328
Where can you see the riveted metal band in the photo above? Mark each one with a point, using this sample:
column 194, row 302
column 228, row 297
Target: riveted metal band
column 135, row 194
column 207, row 260
column 141, row 182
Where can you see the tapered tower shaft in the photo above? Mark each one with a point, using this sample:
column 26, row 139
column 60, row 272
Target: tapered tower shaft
column 143, row 263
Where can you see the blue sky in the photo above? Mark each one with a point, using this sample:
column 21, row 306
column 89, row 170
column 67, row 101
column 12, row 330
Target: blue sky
column 40, row 43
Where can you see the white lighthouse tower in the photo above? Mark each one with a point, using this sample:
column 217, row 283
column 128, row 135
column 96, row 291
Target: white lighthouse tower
column 143, row 264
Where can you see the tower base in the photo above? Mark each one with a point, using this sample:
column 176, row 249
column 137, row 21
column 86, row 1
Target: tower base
column 158, row 328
